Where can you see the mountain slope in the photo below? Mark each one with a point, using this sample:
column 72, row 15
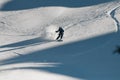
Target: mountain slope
column 86, row 53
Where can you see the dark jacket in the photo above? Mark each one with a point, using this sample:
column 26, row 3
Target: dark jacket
column 60, row 30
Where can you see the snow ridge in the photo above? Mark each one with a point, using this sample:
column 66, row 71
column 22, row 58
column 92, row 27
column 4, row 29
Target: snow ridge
column 112, row 14
column 28, row 49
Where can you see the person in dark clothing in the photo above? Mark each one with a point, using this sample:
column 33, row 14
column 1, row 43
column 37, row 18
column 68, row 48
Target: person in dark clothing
column 61, row 33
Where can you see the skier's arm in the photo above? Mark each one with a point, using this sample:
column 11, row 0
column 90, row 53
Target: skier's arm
column 57, row 30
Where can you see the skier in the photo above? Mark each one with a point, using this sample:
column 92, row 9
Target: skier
column 61, row 33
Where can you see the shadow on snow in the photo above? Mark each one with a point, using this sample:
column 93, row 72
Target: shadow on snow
column 25, row 43
column 28, row 4
column 90, row 59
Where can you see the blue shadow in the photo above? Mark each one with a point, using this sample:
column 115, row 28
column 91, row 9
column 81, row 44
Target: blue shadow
column 28, row 4
column 78, row 59
column 32, row 41
column 25, row 43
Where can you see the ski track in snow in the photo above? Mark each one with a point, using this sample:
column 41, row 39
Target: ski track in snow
column 112, row 14
column 15, row 50
column 117, row 23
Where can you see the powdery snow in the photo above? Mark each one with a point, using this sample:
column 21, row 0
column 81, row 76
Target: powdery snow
column 29, row 51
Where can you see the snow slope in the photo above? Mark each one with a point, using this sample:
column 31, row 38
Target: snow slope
column 28, row 50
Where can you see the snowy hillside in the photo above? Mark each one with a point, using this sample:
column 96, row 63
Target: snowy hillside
column 28, row 49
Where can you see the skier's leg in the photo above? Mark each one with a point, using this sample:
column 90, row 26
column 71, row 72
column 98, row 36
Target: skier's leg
column 58, row 37
column 61, row 36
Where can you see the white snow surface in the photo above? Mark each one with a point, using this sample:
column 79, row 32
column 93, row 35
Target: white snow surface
column 28, row 49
